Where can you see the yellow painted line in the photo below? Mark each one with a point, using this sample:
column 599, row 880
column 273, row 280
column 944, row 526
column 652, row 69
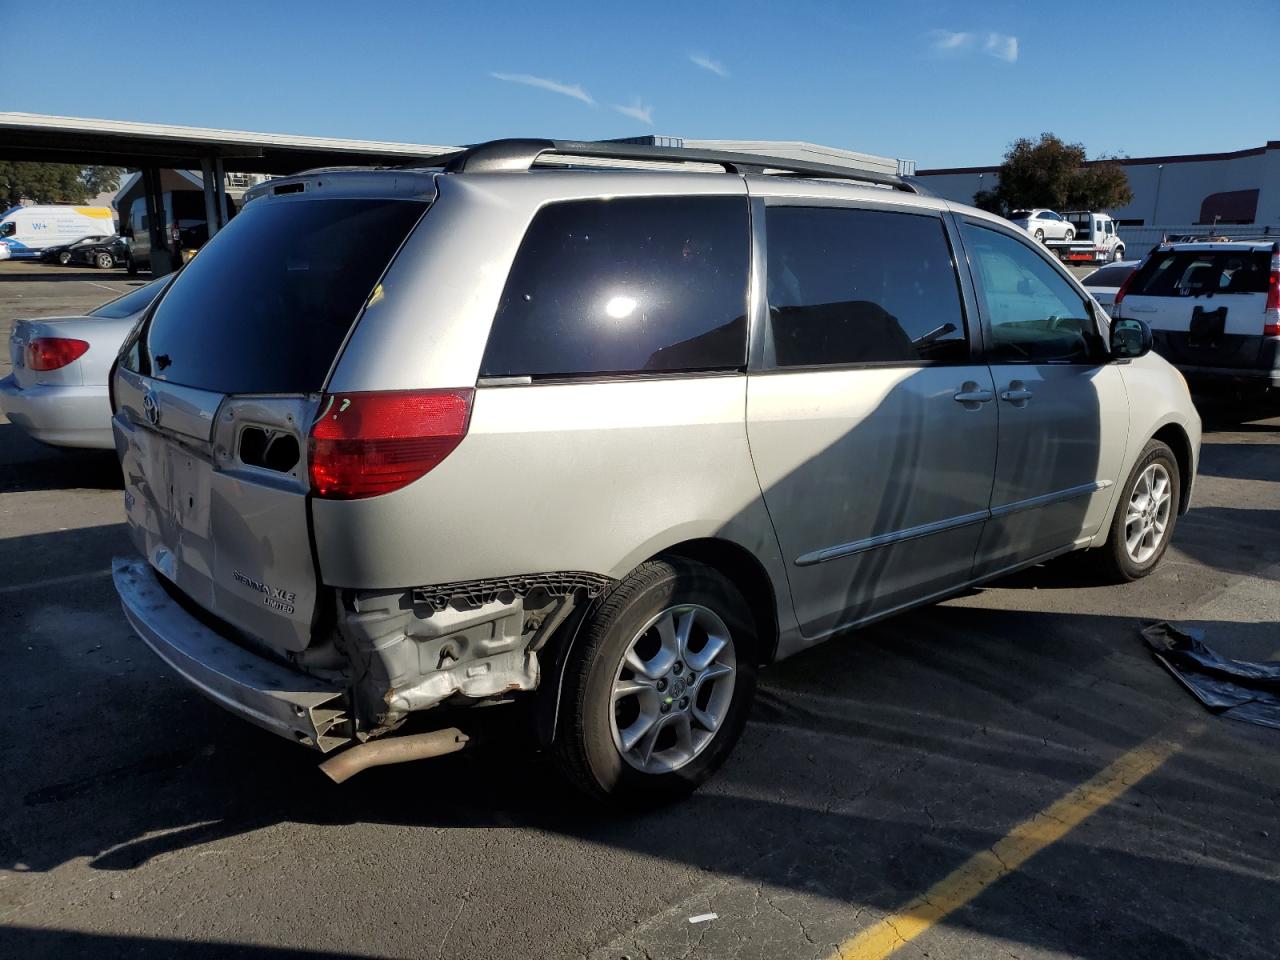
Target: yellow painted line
column 1017, row 847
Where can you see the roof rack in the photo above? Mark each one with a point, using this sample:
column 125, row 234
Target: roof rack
column 520, row 155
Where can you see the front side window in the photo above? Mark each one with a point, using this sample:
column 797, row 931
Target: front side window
column 1050, row 215
column 861, row 286
column 1036, row 315
column 631, row 285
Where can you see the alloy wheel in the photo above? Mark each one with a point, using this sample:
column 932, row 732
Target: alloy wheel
column 673, row 688
column 1147, row 516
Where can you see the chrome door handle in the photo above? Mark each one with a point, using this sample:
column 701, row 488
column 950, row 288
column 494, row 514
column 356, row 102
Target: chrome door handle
column 1016, row 395
column 972, row 394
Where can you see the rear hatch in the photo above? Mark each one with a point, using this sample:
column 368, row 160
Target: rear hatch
column 1206, row 305
column 217, row 388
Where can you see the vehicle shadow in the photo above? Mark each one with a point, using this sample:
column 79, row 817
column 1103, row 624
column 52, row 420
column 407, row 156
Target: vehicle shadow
column 59, row 274
column 873, row 766
column 42, row 942
column 1241, row 461
column 27, row 464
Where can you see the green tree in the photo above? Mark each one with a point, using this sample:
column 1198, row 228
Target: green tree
column 53, row 182
column 1052, row 173
column 98, row 180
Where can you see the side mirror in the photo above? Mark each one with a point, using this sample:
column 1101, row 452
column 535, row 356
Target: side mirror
column 1130, row 339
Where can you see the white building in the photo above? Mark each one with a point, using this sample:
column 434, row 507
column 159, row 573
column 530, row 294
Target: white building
column 1236, row 189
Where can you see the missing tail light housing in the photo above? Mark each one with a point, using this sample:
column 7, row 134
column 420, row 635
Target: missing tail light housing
column 1271, row 322
column 52, row 353
column 367, row 444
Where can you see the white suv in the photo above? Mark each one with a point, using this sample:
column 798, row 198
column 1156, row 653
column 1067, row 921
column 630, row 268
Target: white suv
column 608, row 440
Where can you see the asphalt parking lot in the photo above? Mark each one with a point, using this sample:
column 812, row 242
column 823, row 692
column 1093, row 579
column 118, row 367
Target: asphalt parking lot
column 920, row 777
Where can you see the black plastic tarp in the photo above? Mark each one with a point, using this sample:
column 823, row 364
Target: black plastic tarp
column 1240, row 689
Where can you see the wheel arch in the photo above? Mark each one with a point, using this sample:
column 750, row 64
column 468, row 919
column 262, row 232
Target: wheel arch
column 1173, row 436
column 734, row 561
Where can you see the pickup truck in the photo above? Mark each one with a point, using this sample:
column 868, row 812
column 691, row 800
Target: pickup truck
column 1095, row 239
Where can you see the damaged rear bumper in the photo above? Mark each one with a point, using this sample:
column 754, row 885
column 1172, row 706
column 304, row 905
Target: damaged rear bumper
column 284, row 701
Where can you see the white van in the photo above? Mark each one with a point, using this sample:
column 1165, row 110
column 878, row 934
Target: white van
column 28, row 230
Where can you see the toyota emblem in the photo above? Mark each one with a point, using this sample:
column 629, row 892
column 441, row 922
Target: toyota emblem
column 151, row 408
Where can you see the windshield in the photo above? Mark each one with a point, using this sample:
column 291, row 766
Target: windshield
column 268, row 302
column 132, row 302
column 7, row 228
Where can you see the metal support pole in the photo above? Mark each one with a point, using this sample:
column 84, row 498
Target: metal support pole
column 210, row 196
column 220, row 180
column 161, row 261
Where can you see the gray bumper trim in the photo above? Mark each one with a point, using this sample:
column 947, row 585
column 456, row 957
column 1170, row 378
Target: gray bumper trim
column 274, row 697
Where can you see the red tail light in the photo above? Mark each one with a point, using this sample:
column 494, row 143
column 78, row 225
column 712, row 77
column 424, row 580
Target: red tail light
column 1271, row 322
column 1124, row 288
column 50, row 353
column 366, row 444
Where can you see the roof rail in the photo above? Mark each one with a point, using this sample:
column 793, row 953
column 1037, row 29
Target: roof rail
column 521, row 155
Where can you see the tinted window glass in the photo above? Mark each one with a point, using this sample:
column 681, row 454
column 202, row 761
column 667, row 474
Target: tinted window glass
column 861, row 286
column 625, row 286
column 1036, row 315
column 131, row 302
column 1108, row 276
column 267, row 303
column 1193, row 273
column 1020, row 215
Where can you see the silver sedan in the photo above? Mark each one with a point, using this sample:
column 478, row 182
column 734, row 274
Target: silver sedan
column 57, row 392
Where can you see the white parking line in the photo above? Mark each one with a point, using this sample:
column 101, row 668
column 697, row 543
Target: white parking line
column 53, row 581
column 105, row 287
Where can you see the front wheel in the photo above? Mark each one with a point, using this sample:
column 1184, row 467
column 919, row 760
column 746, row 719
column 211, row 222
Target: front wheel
column 104, row 261
column 64, row 257
column 131, row 266
column 1070, row 235
column 1039, row 236
column 1145, row 515
column 658, row 684
column 1117, row 254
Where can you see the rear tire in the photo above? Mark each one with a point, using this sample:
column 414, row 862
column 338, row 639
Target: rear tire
column 627, row 685
column 131, row 267
column 1146, row 514
column 104, row 261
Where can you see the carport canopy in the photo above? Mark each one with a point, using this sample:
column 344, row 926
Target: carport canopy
column 150, row 147
column 122, row 143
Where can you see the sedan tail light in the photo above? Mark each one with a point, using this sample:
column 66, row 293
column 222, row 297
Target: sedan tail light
column 366, row 444
column 1271, row 322
column 50, row 353
column 1124, row 288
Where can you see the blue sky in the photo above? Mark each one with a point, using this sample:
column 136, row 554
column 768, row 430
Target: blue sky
column 943, row 83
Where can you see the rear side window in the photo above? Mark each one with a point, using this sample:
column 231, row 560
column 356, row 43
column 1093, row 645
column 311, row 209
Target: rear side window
column 1195, row 273
column 628, row 285
column 861, row 286
column 266, row 304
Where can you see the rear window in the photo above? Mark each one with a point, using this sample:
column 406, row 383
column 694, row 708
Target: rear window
column 267, row 303
column 131, row 302
column 1020, row 215
column 628, row 285
column 1195, row 273
column 1108, row 276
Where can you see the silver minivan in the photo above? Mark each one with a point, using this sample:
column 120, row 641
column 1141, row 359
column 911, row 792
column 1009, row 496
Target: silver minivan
column 556, row 422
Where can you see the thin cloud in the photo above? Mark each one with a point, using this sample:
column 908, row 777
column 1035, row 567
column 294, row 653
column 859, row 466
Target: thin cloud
column 542, row 83
column 1002, row 46
column 951, row 40
column 706, row 63
column 638, row 111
